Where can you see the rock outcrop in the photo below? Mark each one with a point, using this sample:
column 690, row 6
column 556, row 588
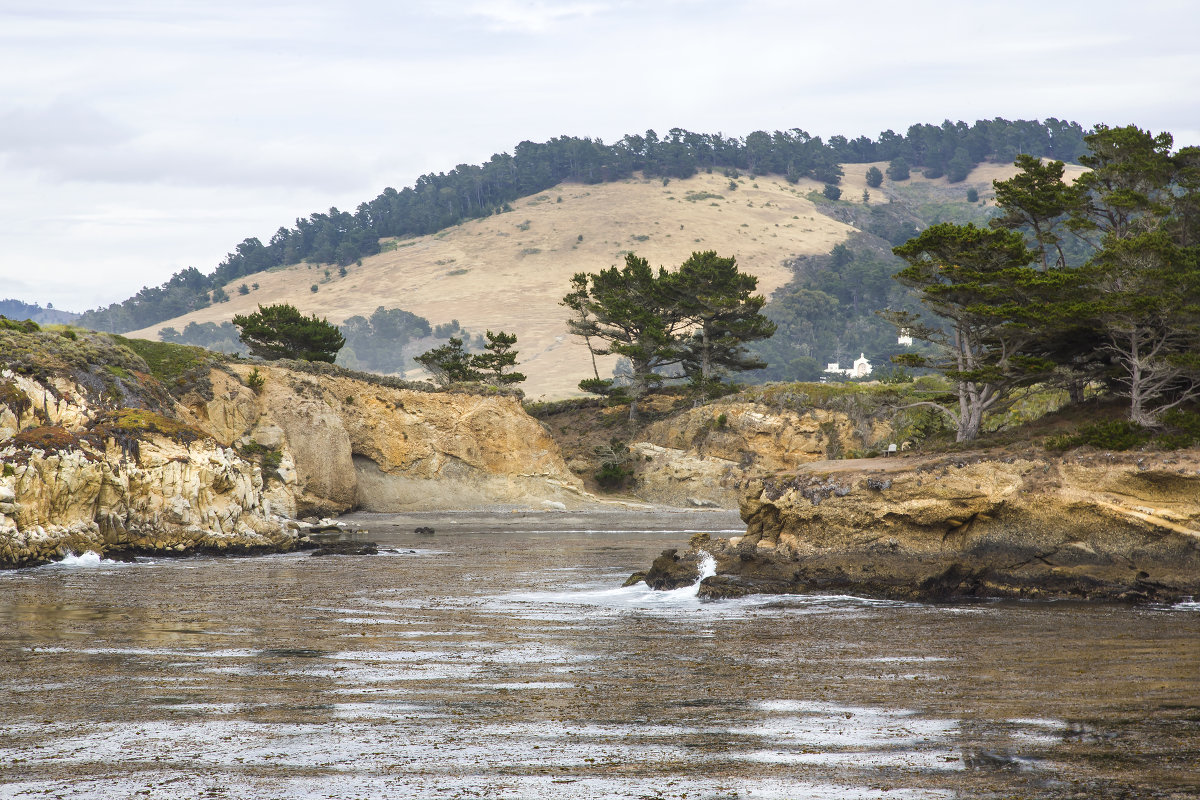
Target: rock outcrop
column 354, row 444
column 225, row 468
column 1088, row 526
column 703, row 457
column 80, row 493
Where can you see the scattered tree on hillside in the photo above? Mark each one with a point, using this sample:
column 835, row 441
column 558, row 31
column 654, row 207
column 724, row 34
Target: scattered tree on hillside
column 898, row 169
column 959, row 166
column 718, row 301
column 281, row 331
column 449, row 363
column 222, row 338
column 874, row 177
column 582, row 323
column 498, row 356
column 378, row 342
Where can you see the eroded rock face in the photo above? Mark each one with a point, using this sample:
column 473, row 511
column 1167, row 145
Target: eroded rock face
column 767, row 439
column 307, row 444
column 169, row 498
column 1094, row 527
column 705, row 456
column 359, row 445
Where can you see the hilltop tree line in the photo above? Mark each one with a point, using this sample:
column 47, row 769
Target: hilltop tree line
column 439, row 200
column 1013, row 308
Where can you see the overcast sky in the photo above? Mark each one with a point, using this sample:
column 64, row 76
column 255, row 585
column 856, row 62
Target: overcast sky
column 139, row 137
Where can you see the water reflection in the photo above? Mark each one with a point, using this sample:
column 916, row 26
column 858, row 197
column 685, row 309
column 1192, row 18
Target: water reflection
column 509, row 662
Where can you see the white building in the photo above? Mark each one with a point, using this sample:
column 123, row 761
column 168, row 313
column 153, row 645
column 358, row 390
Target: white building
column 860, row 369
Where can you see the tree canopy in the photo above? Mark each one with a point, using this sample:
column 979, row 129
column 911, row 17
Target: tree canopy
column 1122, row 310
column 1138, row 204
column 452, row 363
column 380, row 342
column 979, row 282
column 281, row 331
column 497, row 357
column 697, row 319
column 718, row 302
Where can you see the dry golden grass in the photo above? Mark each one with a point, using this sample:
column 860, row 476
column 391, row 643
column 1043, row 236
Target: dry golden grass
column 509, row 271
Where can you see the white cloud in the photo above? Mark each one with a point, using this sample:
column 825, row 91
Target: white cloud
column 138, row 137
column 531, row 16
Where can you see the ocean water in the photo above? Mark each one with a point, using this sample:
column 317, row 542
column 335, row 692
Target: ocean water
column 502, row 658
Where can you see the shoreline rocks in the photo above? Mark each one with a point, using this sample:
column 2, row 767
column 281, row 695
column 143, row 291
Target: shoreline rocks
column 1094, row 526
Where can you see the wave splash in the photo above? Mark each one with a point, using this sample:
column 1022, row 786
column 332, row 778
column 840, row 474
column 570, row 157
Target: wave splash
column 84, row 560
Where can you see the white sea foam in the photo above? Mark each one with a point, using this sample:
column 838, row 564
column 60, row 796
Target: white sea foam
column 85, row 560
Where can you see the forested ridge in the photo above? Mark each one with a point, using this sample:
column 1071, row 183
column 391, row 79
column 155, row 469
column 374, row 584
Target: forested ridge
column 437, row 201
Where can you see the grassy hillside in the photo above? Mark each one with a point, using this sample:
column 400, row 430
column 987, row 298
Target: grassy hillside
column 509, row 271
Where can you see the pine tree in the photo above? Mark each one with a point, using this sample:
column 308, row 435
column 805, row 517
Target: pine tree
column 499, row 356
column 718, row 301
column 582, row 323
column 1137, row 204
column 281, row 331
column 449, row 363
column 1039, row 199
column 638, row 319
column 979, row 282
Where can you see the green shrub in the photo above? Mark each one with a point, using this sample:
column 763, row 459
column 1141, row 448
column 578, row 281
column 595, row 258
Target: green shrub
column 256, row 381
column 831, row 191
column 24, row 326
column 1182, row 430
column 613, row 476
column 1118, row 434
column 972, row 195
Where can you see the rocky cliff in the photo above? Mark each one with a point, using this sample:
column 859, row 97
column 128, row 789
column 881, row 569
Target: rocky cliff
column 98, row 454
column 77, row 476
column 704, row 456
column 1087, row 525
column 344, row 443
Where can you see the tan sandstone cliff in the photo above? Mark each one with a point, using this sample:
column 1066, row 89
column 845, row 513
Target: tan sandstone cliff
column 354, row 444
column 227, row 467
column 1086, row 525
column 78, row 477
column 704, row 456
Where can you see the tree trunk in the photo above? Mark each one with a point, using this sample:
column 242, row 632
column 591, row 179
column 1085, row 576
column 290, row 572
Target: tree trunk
column 588, row 341
column 1137, row 395
column 970, row 425
column 1075, row 390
